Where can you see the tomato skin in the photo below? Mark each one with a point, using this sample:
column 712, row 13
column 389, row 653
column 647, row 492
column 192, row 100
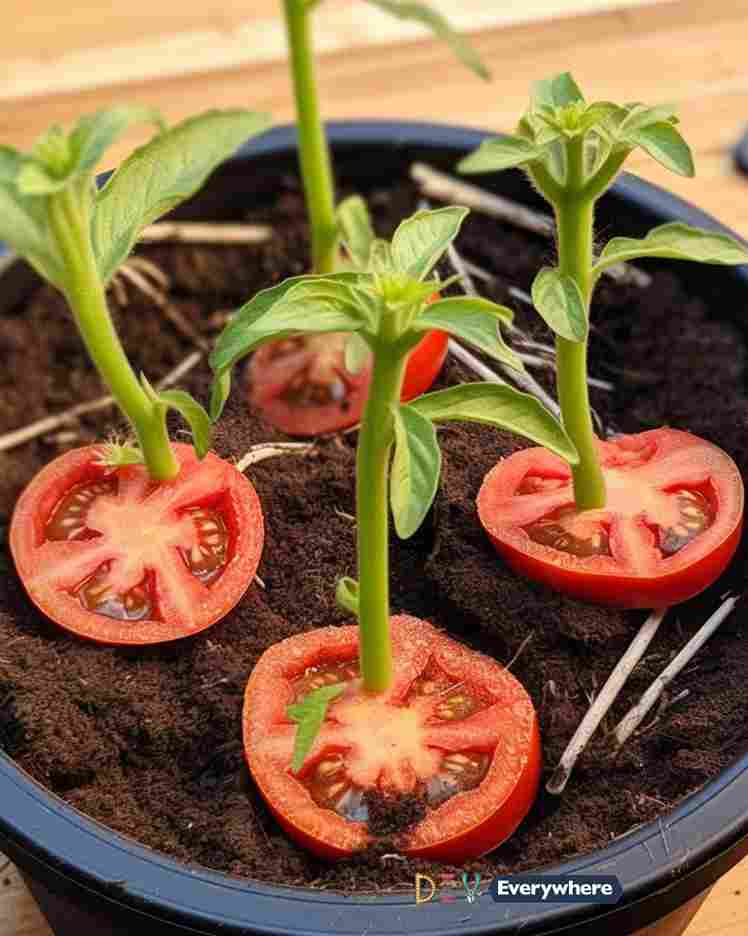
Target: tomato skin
column 198, row 607
column 469, row 824
column 672, row 579
column 424, row 364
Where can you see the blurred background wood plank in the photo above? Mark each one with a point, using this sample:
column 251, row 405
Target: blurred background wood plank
column 62, row 60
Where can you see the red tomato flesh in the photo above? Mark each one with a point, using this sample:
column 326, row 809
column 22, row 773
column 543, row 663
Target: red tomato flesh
column 114, row 557
column 302, row 387
column 455, row 729
column 671, row 524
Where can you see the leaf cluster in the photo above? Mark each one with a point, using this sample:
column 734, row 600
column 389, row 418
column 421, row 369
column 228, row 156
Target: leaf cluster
column 559, row 125
column 388, row 303
column 154, row 179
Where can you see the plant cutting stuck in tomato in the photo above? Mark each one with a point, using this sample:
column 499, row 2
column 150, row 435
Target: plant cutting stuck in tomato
column 302, row 386
column 671, row 523
column 455, row 729
column 116, row 557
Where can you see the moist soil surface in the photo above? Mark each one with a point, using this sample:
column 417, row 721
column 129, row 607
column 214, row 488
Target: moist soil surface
column 148, row 741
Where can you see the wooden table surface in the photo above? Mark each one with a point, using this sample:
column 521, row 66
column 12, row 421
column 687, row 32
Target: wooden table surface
column 60, row 60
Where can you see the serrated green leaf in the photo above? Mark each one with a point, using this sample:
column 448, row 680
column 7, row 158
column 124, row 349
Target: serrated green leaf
column 664, row 144
column 638, row 116
column 674, row 241
column 347, row 594
column 162, row 174
column 420, row 241
column 357, row 353
column 308, row 305
column 598, row 113
column 95, row 133
column 219, row 393
column 500, row 406
column 558, row 300
column 23, row 224
column 416, row 466
column 34, row 180
column 356, row 230
column 309, row 715
column 502, row 153
column 117, row 455
column 440, row 27
column 477, row 321
column 193, row 414
column 559, row 91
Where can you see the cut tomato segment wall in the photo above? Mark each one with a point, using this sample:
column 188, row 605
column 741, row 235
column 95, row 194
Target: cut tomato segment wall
column 302, row 387
column 455, row 729
column 671, row 523
column 114, row 557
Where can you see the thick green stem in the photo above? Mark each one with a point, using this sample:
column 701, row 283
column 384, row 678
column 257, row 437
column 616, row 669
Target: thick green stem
column 574, row 219
column 87, row 300
column 316, row 166
column 372, row 475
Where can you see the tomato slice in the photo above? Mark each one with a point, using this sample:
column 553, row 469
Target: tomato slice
column 455, row 730
column 302, row 387
column 671, row 524
column 114, row 557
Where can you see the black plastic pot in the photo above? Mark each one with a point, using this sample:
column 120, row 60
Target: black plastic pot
column 88, row 879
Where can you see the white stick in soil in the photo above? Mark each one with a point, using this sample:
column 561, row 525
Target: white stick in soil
column 602, row 703
column 50, row 423
column 202, row 232
column 446, row 188
column 635, row 716
column 264, row 450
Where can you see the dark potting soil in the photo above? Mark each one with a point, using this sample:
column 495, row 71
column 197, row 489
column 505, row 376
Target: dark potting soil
column 148, row 741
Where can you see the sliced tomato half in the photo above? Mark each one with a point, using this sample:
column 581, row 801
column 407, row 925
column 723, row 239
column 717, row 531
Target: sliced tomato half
column 117, row 558
column 671, row 524
column 301, row 385
column 456, row 730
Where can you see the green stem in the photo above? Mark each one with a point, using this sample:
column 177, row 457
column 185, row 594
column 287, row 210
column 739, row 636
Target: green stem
column 372, row 475
column 574, row 219
column 316, row 166
column 87, row 300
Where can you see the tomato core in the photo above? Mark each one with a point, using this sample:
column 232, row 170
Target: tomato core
column 671, row 522
column 455, row 731
column 113, row 556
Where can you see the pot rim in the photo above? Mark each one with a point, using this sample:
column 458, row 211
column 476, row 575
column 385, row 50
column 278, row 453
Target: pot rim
column 39, row 829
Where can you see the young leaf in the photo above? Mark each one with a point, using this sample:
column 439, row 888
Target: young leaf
column 193, row 414
column 346, row 594
column 474, row 320
column 313, row 305
column 249, row 313
column 674, row 241
column 416, row 466
column 559, row 91
column 505, row 152
column 219, row 393
column 95, row 133
column 499, row 406
column 188, row 408
column 160, row 175
column 421, row 13
column 356, row 231
column 118, row 455
column 420, row 240
column 22, row 221
column 638, row 116
column 559, row 301
column 309, row 714
column 357, row 353
column 663, row 143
